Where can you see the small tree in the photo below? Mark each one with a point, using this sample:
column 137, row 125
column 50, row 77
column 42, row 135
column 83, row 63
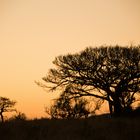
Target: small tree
column 107, row 73
column 6, row 105
column 66, row 107
column 19, row 116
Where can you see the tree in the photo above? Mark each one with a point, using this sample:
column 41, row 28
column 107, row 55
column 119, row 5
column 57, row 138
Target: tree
column 108, row 73
column 6, row 105
column 71, row 108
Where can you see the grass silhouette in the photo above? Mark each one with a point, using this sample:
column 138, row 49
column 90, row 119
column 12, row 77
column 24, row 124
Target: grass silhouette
column 98, row 128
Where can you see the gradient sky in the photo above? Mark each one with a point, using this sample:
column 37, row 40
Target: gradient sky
column 34, row 32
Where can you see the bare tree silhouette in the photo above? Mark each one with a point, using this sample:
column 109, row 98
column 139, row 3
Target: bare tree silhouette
column 71, row 108
column 19, row 116
column 110, row 73
column 6, row 105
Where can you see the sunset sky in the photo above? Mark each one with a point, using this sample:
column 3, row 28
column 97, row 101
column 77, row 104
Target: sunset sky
column 34, row 32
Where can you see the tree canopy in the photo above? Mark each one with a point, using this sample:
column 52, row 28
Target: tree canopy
column 110, row 73
column 6, row 105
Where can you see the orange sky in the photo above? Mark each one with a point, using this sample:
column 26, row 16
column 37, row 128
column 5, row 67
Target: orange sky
column 34, row 32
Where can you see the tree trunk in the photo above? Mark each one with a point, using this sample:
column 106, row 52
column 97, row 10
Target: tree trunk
column 2, row 119
column 117, row 106
column 110, row 108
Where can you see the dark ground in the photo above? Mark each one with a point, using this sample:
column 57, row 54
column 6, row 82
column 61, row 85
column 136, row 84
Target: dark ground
column 99, row 128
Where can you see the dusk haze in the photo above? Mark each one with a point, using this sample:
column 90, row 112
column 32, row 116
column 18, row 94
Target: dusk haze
column 34, row 32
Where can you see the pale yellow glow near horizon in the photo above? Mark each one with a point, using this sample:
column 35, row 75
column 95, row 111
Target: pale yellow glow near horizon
column 34, row 32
